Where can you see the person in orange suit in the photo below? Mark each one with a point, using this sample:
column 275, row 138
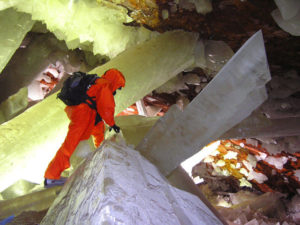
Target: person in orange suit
column 82, row 123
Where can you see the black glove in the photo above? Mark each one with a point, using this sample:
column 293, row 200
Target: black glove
column 116, row 128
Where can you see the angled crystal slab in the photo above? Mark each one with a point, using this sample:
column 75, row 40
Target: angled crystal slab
column 14, row 104
column 230, row 97
column 258, row 125
column 13, row 28
column 291, row 25
column 288, row 8
column 24, row 146
column 37, row 201
column 28, row 142
column 21, row 187
column 134, row 128
column 117, row 184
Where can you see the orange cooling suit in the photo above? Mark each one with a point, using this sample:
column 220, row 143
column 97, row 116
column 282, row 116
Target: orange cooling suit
column 82, row 118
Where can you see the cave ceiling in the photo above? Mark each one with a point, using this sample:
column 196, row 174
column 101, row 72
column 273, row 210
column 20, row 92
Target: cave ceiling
column 231, row 21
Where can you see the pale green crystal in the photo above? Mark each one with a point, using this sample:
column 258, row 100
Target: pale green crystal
column 39, row 200
column 13, row 28
column 4, row 4
column 135, row 127
column 29, row 141
column 149, row 65
column 14, row 104
column 87, row 24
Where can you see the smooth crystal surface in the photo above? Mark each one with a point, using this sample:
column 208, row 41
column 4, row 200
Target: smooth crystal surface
column 229, row 98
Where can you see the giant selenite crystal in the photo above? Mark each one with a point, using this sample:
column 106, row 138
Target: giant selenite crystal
column 229, row 98
column 288, row 8
column 90, row 25
column 29, row 141
column 13, row 105
column 38, row 200
column 13, row 28
column 135, row 127
column 258, row 125
column 287, row 16
column 116, row 185
column 149, row 65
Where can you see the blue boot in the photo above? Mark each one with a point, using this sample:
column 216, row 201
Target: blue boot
column 52, row 182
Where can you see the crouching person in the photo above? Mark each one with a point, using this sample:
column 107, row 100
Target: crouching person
column 87, row 117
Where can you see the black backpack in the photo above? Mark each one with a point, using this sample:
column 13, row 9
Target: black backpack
column 74, row 90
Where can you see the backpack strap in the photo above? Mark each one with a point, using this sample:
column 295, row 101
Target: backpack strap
column 92, row 104
column 90, row 100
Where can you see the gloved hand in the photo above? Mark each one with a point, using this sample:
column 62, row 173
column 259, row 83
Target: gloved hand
column 116, row 128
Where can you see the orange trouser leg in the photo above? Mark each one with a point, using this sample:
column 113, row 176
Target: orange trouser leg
column 98, row 133
column 58, row 164
column 61, row 161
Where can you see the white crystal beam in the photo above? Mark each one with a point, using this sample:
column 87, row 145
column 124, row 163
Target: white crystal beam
column 230, row 97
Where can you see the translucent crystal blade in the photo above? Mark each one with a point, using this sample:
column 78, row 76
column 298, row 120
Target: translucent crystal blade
column 13, row 28
column 230, row 97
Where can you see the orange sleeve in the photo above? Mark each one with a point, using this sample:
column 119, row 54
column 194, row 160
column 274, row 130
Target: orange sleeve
column 106, row 105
